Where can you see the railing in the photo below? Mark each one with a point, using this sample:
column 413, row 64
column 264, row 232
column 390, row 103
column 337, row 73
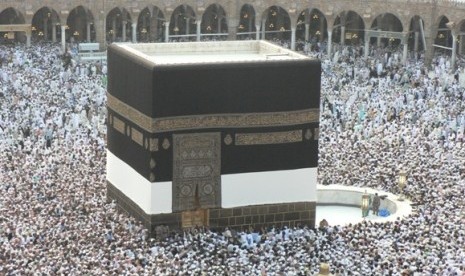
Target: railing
column 93, row 56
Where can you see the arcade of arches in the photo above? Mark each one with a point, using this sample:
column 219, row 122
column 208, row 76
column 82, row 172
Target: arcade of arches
column 425, row 25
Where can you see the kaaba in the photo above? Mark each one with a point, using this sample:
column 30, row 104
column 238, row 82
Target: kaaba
column 213, row 134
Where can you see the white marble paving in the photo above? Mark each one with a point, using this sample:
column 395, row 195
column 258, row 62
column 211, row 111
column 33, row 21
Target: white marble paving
column 332, row 195
column 341, row 215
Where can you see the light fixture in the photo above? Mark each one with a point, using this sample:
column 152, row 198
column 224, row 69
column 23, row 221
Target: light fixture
column 271, row 25
column 317, row 33
column 176, row 29
column 34, row 28
column 402, row 183
column 441, row 35
column 273, row 13
column 315, row 16
column 246, row 15
column 354, row 36
column 144, row 30
column 209, row 28
column 365, row 204
column 241, row 27
column 282, row 29
column 76, row 33
column 49, row 14
column 40, row 33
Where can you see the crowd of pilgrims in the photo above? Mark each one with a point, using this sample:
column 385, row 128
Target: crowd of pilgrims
column 378, row 117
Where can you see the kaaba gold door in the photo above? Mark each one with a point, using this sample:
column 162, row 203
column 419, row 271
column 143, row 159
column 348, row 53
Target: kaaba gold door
column 196, row 171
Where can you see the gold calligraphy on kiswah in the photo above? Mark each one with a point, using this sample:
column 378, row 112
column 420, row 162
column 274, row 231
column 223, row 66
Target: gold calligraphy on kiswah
column 243, row 120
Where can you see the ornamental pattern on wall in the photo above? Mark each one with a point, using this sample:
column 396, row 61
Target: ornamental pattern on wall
column 266, row 138
column 196, row 171
column 243, row 120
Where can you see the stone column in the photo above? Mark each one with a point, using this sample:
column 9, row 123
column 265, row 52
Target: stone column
column 124, row 31
column 367, row 45
column 330, row 36
column 99, row 25
column 343, row 34
column 63, row 38
column 415, row 43
column 134, row 32
column 307, row 31
column 461, row 44
column 232, row 28
column 46, row 29
column 188, row 26
column 293, row 29
column 198, row 31
column 88, row 31
column 257, row 32
column 405, row 53
column 28, row 39
column 54, row 32
column 454, row 51
column 429, row 51
column 263, row 29
column 167, row 31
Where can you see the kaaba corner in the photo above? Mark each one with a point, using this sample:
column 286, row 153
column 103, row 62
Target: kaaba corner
column 213, row 133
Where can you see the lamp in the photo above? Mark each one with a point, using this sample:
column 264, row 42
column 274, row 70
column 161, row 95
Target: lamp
column 40, row 33
column 402, row 183
column 365, row 204
column 144, row 30
column 176, row 29
column 76, row 33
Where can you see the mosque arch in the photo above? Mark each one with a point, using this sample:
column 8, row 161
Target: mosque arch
column 416, row 29
column 386, row 22
column 444, row 34
column 311, row 26
column 348, row 27
column 183, row 24
column 118, row 25
column 214, row 22
column 80, row 25
column 276, row 24
column 150, row 25
column 247, row 22
column 12, row 16
column 46, row 24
